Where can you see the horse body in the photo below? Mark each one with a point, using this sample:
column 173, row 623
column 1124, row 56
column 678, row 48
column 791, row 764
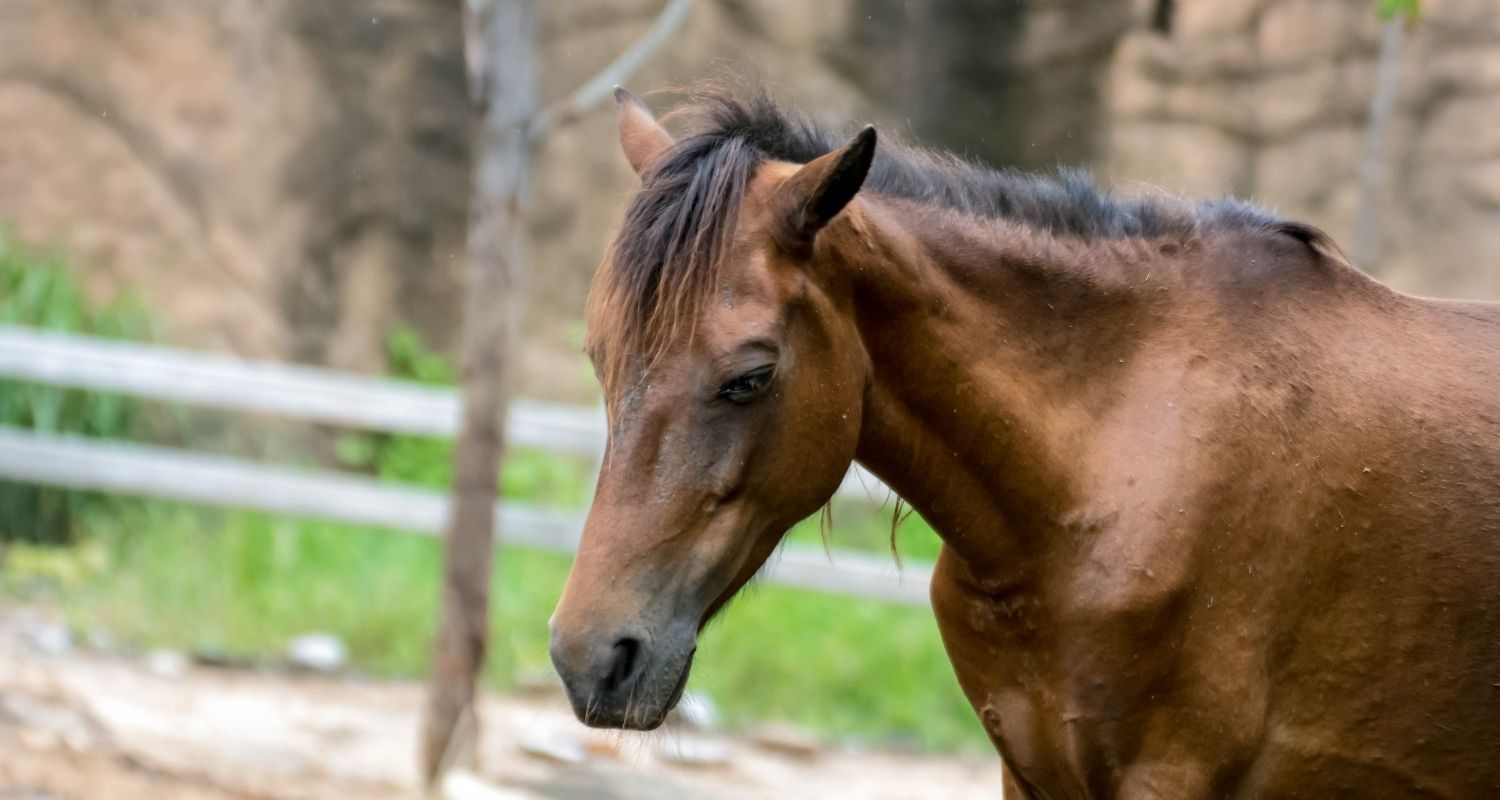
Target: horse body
column 1227, row 543
column 1221, row 515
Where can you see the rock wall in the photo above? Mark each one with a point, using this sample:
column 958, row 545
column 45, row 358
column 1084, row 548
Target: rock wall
column 1269, row 99
column 289, row 179
column 277, row 178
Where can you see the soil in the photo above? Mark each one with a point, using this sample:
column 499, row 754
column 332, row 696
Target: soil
column 82, row 724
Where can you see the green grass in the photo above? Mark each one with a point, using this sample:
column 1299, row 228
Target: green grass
column 36, row 289
column 242, row 584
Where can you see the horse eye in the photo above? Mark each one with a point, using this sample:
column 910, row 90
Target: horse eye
column 746, row 387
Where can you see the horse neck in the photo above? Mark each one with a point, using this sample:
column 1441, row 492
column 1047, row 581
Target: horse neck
column 990, row 348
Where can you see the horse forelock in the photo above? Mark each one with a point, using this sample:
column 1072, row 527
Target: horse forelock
column 666, row 258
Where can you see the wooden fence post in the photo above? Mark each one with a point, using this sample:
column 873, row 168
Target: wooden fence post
column 499, row 45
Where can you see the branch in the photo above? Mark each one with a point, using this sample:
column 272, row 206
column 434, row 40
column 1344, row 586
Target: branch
column 1373, row 165
column 597, row 88
column 476, row 54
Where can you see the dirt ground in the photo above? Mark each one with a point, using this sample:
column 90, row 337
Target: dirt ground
column 76, row 724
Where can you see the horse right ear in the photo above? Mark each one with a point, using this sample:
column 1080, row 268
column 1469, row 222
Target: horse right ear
column 641, row 137
column 817, row 192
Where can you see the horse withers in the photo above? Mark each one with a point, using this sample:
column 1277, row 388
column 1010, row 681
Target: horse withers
column 1220, row 514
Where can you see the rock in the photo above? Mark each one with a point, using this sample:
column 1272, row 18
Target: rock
column 317, row 652
column 1482, row 183
column 1207, row 160
column 49, row 638
column 1466, row 70
column 221, row 659
column 316, row 153
column 604, row 746
column 169, row 664
column 787, row 740
column 461, row 785
column 694, row 751
column 901, row 743
column 855, row 745
column 696, row 711
column 1207, row 20
column 1135, row 90
column 1311, row 168
column 554, row 746
column 1292, row 104
column 48, row 722
column 1298, row 31
column 1462, row 128
column 101, row 639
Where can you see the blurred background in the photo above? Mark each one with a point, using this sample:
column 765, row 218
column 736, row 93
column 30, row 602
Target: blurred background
column 284, row 181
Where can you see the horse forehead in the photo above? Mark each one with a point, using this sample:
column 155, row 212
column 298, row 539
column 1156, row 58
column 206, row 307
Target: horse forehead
column 752, row 281
column 737, row 315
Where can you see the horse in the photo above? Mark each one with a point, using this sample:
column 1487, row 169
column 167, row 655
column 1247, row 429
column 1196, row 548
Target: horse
column 1220, row 514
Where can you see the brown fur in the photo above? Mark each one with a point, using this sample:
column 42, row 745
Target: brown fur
column 1221, row 515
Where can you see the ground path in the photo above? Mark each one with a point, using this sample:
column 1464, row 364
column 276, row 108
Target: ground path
column 84, row 725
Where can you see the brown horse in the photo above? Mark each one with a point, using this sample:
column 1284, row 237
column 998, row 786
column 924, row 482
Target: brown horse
column 1220, row 514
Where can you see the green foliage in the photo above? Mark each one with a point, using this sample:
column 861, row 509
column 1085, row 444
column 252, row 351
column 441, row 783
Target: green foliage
column 38, row 290
column 1388, row 9
column 421, row 460
column 410, row 359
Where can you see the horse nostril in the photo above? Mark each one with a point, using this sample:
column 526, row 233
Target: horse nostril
column 626, row 655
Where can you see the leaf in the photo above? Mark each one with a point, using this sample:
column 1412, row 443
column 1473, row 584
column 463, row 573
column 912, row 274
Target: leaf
column 1389, row 9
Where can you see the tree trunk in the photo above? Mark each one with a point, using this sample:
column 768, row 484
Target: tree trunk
column 1374, row 164
column 499, row 49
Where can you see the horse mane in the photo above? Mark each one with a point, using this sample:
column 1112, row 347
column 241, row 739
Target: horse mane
column 680, row 224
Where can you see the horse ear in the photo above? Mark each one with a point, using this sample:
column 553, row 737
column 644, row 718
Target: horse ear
column 641, row 137
column 818, row 191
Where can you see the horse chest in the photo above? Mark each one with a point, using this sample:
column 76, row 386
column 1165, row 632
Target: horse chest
column 1002, row 656
column 1068, row 695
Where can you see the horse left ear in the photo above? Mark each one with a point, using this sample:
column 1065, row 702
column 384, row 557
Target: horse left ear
column 817, row 192
column 641, row 137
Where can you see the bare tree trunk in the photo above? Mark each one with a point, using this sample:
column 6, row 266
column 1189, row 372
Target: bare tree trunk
column 1373, row 166
column 500, row 52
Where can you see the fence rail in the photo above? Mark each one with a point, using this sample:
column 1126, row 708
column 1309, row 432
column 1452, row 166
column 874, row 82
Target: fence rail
column 299, row 392
column 348, row 400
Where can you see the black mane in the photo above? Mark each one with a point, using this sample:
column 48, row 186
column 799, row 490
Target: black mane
column 680, row 224
column 1068, row 203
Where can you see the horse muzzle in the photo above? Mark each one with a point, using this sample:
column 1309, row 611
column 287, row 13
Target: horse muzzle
column 628, row 680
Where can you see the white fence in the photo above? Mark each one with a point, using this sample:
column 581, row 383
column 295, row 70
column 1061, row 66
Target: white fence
column 346, row 400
